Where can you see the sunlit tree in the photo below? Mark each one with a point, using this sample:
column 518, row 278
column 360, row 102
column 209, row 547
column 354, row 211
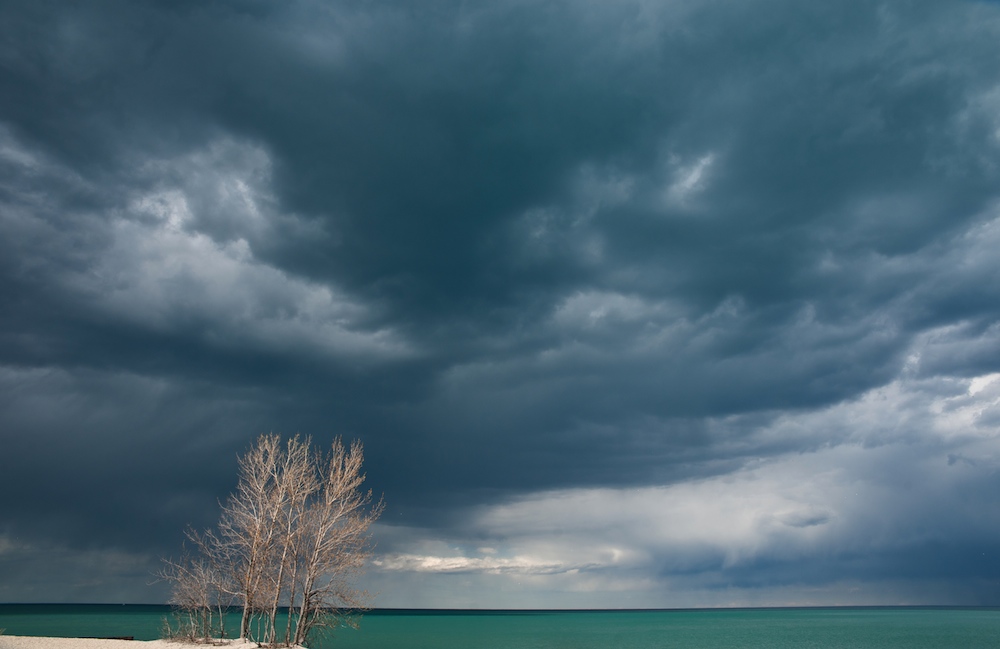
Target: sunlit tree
column 294, row 534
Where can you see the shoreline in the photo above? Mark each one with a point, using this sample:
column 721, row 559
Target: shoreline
column 49, row 642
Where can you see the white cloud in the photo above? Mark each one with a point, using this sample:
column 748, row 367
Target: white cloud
column 490, row 565
column 688, row 178
column 589, row 309
column 178, row 256
column 883, row 477
column 166, row 277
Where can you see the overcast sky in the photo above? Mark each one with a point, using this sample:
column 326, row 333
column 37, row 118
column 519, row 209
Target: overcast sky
column 632, row 303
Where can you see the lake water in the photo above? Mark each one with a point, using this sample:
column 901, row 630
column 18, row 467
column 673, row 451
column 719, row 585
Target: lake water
column 813, row 628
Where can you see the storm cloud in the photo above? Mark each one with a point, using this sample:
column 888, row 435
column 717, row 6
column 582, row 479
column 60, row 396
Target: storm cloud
column 632, row 304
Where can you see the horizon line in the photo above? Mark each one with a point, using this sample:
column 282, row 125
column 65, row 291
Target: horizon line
column 446, row 610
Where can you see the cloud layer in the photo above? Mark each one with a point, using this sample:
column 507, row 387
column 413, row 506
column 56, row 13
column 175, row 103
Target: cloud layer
column 632, row 304
column 872, row 501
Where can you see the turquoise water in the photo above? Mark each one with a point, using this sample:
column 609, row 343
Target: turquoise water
column 822, row 628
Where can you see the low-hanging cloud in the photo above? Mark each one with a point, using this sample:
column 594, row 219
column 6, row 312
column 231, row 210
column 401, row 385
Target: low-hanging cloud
column 843, row 506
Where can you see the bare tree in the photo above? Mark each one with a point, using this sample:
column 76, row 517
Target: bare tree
column 296, row 481
column 201, row 590
column 334, row 543
column 246, row 529
column 293, row 534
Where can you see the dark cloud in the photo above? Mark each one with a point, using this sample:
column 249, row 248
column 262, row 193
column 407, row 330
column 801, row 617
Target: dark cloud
column 517, row 249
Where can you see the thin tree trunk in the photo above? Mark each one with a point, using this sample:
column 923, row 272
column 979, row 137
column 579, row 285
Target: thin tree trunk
column 291, row 598
column 277, row 596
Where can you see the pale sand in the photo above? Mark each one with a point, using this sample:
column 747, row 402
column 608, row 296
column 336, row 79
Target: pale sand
column 32, row 642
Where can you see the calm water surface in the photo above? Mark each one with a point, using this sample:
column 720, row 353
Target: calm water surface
column 830, row 628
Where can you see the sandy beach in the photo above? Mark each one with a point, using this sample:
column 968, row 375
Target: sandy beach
column 35, row 642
